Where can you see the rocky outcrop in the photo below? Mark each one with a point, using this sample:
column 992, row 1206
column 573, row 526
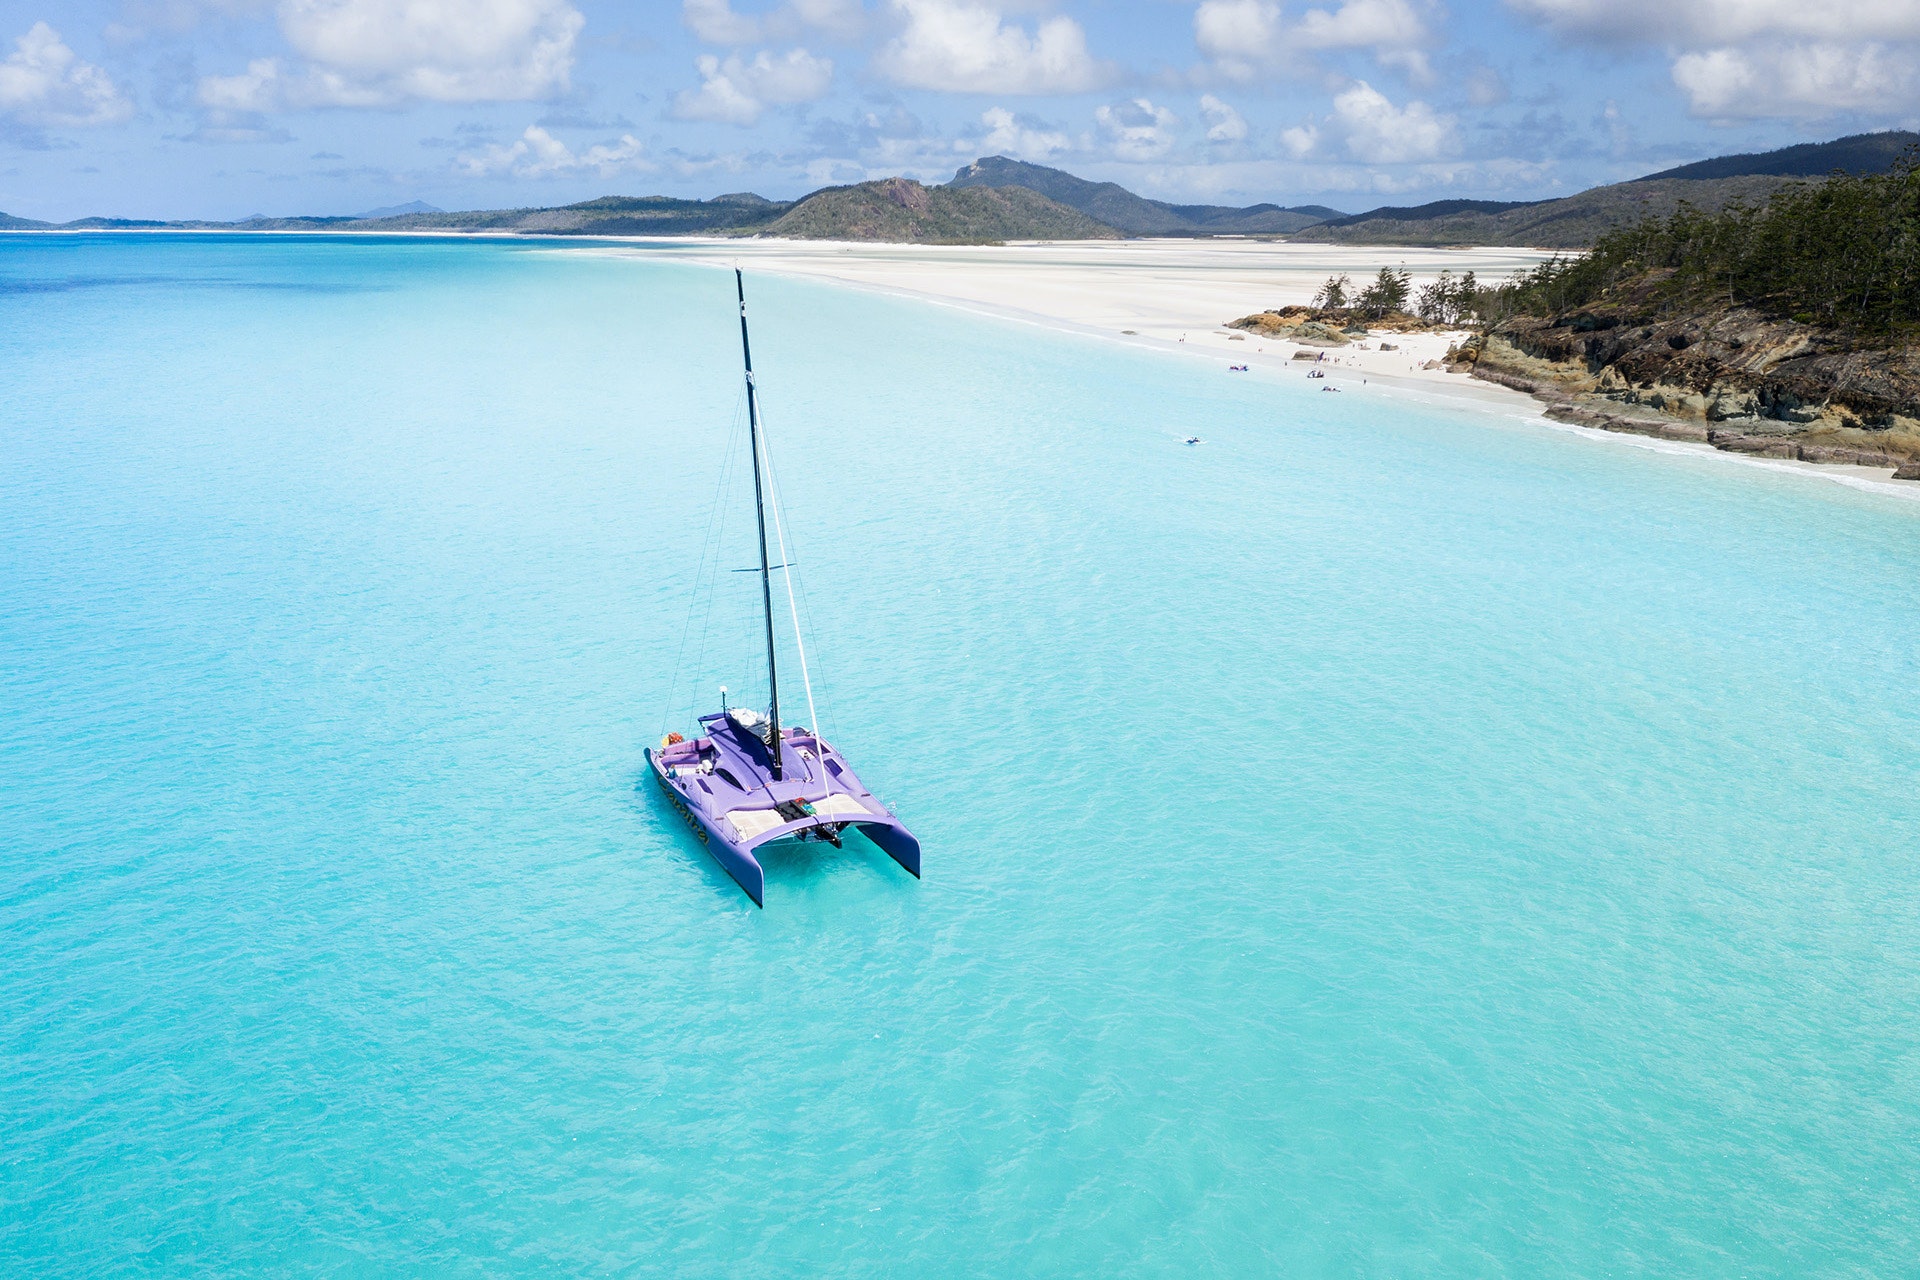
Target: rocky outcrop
column 1728, row 377
column 1325, row 327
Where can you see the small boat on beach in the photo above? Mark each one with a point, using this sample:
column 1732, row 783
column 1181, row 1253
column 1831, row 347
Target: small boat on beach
column 743, row 781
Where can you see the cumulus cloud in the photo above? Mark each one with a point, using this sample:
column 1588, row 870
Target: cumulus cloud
column 372, row 53
column 1363, row 24
column 1137, row 130
column 1373, row 130
column 737, row 92
column 963, row 46
column 1224, row 124
column 1242, row 38
column 1300, row 140
column 1748, row 59
column 1238, row 32
column 45, row 83
column 1805, row 80
column 1377, row 132
column 538, row 154
column 1007, row 135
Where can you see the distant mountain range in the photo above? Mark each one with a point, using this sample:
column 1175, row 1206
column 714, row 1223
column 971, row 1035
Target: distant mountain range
column 1856, row 153
column 1570, row 223
column 998, row 199
column 397, row 210
column 1574, row 222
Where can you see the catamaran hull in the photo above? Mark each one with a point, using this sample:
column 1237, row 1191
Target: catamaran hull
column 736, row 857
column 735, row 861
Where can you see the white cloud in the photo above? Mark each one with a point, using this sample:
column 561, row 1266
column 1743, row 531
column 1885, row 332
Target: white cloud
column 1224, row 124
column 371, row 53
column 1377, row 132
column 1728, row 21
column 715, row 21
column 1749, row 59
column 1300, row 140
column 1804, row 80
column 1007, row 136
column 538, row 154
column 737, row 92
column 1238, row 31
column 843, row 19
column 1137, row 130
column 1364, row 24
column 961, row 46
column 260, row 87
column 45, row 83
column 1245, row 37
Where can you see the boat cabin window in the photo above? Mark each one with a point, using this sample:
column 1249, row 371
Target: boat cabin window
column 728, row 777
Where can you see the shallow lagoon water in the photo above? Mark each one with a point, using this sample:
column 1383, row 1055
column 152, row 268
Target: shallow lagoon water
column 1390, row 839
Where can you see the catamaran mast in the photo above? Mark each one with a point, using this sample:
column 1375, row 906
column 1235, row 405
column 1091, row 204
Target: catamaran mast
column 760, row 510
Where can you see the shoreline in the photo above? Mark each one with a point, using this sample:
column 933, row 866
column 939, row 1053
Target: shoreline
column 1158, row 295
column 1151, row 294
column 950, row 276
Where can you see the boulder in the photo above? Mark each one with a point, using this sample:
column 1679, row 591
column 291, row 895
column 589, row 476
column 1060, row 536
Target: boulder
column 1910, row 471
column 1315, row 334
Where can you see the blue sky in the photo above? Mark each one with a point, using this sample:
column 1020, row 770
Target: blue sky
column 225, row 108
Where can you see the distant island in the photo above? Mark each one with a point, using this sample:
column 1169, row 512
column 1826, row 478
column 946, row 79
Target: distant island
column 996, row 199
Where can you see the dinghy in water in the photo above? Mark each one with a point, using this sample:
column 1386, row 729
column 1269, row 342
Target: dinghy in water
column 743, row 782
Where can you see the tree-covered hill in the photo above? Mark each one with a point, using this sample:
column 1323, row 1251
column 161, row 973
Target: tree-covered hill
column 1572, row 223
column 1135, row 215
column 1858, row 153
column 901, row 210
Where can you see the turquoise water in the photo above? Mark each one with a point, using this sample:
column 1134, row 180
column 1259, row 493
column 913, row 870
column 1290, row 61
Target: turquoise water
column 1388, row 840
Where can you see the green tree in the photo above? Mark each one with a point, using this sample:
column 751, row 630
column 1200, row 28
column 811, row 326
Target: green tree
column 1333, row 294
column 1844, row 253
column 1386, row 295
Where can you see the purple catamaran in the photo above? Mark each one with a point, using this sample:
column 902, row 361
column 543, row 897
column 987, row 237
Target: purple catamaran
column 743, row 781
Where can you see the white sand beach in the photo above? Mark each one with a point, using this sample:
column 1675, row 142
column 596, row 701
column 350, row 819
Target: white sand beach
column 1178, row 295
column 1171, row 294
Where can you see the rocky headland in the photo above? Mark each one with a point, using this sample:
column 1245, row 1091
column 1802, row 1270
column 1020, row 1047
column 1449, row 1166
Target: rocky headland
column 1725, row 376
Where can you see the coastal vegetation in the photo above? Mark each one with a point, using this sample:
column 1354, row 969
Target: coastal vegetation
column 1386, row 296
column 1343, row 309
column 1786, row 329
column 1844, row 254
